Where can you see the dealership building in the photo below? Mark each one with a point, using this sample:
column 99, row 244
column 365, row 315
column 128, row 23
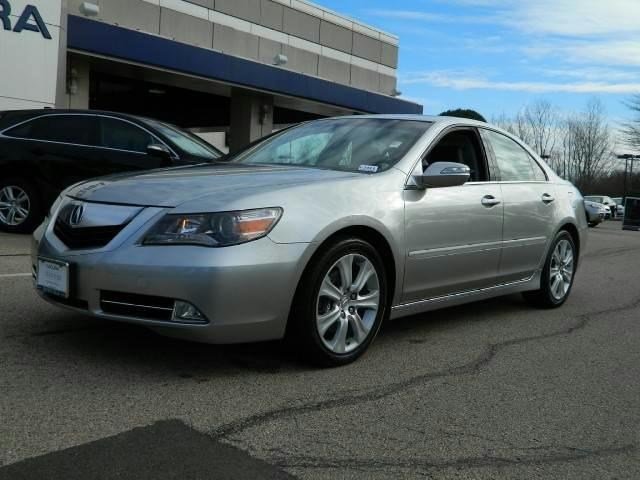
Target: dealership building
column 230, row 70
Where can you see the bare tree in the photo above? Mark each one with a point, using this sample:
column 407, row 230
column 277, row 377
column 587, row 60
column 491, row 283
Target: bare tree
column 536, row 124
column 539, row 125
column 541, row 122
column 578, row 147
column 587, row 145
column 631, row 130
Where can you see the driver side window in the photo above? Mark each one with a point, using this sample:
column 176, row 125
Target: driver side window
column 460, row 146
column 303, row 150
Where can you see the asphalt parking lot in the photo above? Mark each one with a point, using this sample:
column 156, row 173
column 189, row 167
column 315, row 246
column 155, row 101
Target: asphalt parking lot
column 483, row 391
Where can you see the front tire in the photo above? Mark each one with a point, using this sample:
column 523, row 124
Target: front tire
column 340, row 303
column 20, row 206
column 557, row 275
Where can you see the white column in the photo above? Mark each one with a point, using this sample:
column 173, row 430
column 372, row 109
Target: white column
column 32, row 53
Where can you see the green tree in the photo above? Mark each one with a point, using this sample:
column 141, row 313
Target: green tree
column 463, row 113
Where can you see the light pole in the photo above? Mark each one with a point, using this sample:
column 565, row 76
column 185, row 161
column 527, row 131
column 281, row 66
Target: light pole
column 628, row 169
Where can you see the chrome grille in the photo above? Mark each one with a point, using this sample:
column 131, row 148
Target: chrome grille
column 84, row 225
column 87, row 237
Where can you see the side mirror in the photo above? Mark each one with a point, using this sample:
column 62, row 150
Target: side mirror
column 160, row 151
column 443, row 174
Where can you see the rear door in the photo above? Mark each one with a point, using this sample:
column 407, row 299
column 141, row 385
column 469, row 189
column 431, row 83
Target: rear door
column 60, row 147
column 529, row 204
column 453, row 234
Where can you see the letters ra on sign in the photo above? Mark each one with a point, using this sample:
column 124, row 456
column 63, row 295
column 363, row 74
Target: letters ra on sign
column 29, row 20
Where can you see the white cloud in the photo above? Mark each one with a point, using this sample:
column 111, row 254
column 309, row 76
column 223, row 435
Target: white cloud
column 597, row 52
column 576, row 18
column 421, row 16
column 592, row 74
column 467, row 81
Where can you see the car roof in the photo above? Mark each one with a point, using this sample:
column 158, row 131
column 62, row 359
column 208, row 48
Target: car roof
column 423, row 118
column 26, row 114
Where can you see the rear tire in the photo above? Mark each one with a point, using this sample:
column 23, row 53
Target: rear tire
column 558, row 274
column 21, row 209
column 340, row 304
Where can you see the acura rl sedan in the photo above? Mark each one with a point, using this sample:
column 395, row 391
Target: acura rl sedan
column 317, row 234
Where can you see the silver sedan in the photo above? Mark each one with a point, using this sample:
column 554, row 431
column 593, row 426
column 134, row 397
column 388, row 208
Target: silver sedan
column 317, row 235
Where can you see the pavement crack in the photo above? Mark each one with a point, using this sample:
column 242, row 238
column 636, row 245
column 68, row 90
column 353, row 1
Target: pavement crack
column 473, row 367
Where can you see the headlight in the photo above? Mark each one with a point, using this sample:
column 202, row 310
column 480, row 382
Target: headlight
column 213, row 229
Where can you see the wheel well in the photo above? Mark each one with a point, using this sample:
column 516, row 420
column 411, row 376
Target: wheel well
column 575, row 236
column 376, row 239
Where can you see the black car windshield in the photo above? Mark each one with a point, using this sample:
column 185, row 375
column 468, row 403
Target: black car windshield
column 187, row 141
column 367, row 145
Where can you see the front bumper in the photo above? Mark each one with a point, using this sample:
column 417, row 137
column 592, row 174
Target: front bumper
column 245, row 291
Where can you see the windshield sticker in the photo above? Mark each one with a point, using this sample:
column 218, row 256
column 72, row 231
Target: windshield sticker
column 395, row 145
column 368, row 168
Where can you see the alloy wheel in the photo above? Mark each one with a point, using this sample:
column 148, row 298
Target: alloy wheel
column 561, row 269
column 15, row 205
column 348, row 303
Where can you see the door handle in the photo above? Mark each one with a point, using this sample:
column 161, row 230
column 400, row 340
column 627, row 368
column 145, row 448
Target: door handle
column 490, row 201
column 546, row 198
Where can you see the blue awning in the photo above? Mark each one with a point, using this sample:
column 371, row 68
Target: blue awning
column 117, row 42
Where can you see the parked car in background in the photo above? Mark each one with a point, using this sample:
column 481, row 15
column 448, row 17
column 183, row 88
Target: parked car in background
column 619, row 207
column 606, row 201
column 596, row 213
column 317, row 234
column 44, row 151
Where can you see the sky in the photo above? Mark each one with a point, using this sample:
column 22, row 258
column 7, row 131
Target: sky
column 495, row 56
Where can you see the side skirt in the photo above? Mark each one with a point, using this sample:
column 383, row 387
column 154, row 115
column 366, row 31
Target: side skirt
column 413, row 308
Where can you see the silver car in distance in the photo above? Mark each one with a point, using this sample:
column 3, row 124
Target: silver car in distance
column 317, row 234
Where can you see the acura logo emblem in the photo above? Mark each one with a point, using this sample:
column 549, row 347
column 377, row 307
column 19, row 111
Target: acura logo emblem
column 76, row 215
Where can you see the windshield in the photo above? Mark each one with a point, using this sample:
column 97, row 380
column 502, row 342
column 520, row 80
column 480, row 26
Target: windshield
column 349, row 144
column 187, row 141
column 594, row 199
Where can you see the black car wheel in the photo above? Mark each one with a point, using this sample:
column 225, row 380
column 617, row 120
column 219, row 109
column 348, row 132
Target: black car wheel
column 340, row 303
column 20, row 206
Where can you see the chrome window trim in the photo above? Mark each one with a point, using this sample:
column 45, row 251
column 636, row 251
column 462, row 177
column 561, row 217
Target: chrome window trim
column 3, row 133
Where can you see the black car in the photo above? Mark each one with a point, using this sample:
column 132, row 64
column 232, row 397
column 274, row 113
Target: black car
column 44, row 151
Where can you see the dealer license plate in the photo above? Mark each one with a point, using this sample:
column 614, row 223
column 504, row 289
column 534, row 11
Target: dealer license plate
column 53, row 277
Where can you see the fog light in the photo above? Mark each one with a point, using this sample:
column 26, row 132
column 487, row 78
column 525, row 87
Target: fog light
column 185, row 312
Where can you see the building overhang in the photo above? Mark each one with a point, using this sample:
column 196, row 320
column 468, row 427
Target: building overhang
column 116, row 42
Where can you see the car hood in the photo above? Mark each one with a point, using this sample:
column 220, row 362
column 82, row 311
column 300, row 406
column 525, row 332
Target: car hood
column 172, row 187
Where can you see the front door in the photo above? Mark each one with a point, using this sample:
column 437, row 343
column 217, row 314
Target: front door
column 453, row 234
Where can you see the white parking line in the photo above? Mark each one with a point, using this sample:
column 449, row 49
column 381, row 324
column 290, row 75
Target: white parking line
column 14, row 275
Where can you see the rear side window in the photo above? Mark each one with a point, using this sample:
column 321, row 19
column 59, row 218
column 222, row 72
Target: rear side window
column 122, row 135
column 514, row 162
column 74, row 129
